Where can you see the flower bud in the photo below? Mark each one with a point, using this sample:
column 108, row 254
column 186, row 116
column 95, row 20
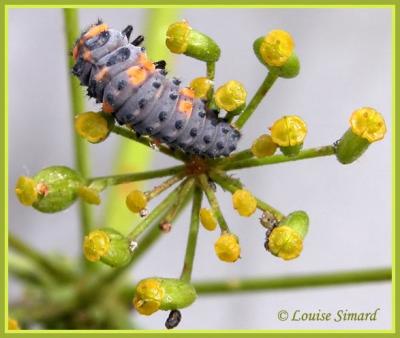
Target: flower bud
column 107, row 245
column 153, row 294
column 289, row 133
column 207, row 219
column 13, row 324
column 276, row 48
column 181, row 38
column 366, row 126
column 94, row 127
column 136, row 201
column 244, row 202
column 286, row 240
column 263, row 146
column 202, row 87
column 227, row 248
column 52, row 189
column 231, row 96
column 89, row 195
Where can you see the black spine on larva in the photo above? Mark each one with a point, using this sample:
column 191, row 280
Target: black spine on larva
column 152, row 105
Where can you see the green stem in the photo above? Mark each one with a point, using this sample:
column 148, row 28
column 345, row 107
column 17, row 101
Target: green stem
column 292, row 282
column 157, row 190
column 256, row 99
column 41, row 260
column 212, row 199
column 156, row 213
column 256, row 162
column 127, row 178
column 78, row 106
column 236, row 157
column 232, row 185
column 211, row 70
column 122, row 131
column 192, row 236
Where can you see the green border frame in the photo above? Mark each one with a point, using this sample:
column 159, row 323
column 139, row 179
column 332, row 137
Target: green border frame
column 392, row 4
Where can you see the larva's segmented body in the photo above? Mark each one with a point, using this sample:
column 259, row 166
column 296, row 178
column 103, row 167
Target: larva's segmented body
column 137, row 93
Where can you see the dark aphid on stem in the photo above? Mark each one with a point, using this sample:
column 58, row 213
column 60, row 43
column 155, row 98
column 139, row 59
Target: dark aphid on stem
column 136, row 92
column 173, row 320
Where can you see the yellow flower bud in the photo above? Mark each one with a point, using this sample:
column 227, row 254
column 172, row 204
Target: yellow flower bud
column 136, row 201
column 178, row 37
column 89, row 195
column 368, row 123
column 263, row 146
column 289, row 131
column 201, row 87
column 94, row 127
column 148, row 296
column 244, row 202
column 207, row 219
column 13, row 324
column 230, row 96
column 277, row 47
column 25, row 189
column 227, row 248
column 96, row 245
column 285, row 242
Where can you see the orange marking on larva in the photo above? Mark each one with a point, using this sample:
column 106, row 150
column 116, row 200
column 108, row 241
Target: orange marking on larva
column 95, row 30
column 137, row 75
column 87, row 55
column 107, row 108
column 101, row 74
column 187, row 92
column 146, row 63
column 185, row 107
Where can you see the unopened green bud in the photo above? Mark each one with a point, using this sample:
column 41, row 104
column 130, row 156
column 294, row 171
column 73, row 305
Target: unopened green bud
column 109, row 246
column 289, row 69
column 52, row 189
column 183, row 39
column 153, row 294
column 297, row 220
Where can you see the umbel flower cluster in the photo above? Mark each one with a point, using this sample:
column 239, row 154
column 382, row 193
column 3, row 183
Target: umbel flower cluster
column 55, row 188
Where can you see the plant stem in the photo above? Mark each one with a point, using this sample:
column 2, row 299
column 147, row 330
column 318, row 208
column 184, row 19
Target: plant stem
column 272, row 76
column 211, row 70
column 236, row 157
column 127, row 178
column 40, row 259
column 78, row 106
column 157, row 190
column 292, row 282
column 192, row 236
column 178, row 155
column 304, row 154
column 232, row 185
column 212, row 199
column 156, row 213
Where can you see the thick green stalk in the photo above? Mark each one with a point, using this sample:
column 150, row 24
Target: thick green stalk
column 232, row 185
column 192, row 236
column 40, row 259
column 211, row 70
column 127, row 178
column 256, row 162
column 256, row 99
column 78, row 106
column 293, row 282
column 157, row 213
column 212, row 199
column 122, row 131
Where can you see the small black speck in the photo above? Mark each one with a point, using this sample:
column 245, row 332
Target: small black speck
column 176, row 81
column 142, row 49
column 225, row 130
column 207, row 139
column 202, row 113
column 121, row 84
column 165, row 139
column 173, row 96
column 156, row 84
column 179, row 124
column 236, row 134
column 220, row 145
column 142, row 103
column 214, row 122
column 163, row 72
column 232, row 147
column 149, row 130
column 162, row 116
column 110, row 98
column 193, row 132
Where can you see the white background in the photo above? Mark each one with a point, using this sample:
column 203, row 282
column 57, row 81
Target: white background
column 345, row 64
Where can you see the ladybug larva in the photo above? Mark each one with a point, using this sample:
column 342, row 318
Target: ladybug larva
column 137, row 93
